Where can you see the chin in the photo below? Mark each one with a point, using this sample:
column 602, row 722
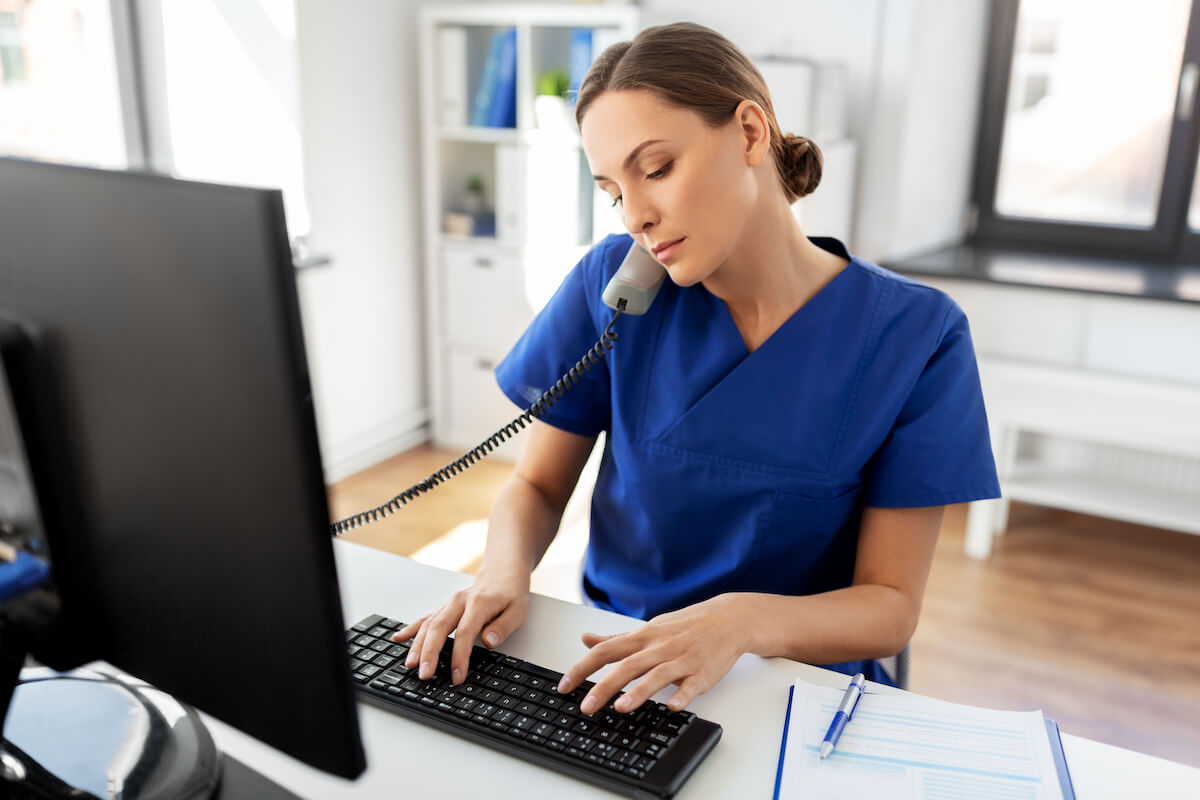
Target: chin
column 685, row 274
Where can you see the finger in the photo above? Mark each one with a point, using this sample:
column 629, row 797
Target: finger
column 506, row 623
column 689, row 689
column 593, row 639
column 627, row 670
column 650, row 683
column 476, row 615
column 436, row 631
column 409, row 630
column 614, row 648
column 414, row 650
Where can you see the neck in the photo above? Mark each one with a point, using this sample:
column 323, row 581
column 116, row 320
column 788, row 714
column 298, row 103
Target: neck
column 773, row 272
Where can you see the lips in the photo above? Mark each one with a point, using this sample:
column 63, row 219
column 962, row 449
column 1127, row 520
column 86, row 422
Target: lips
column 658, row 248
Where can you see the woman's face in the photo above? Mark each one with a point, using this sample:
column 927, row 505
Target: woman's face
column 684, row 190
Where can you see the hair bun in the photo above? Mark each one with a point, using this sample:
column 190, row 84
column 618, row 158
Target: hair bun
column 800, row 165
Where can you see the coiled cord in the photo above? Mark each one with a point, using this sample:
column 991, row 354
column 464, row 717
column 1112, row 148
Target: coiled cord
column 538, row 408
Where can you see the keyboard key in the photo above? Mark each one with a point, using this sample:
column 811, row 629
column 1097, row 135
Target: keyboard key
column 378, row 632
column 390, row 624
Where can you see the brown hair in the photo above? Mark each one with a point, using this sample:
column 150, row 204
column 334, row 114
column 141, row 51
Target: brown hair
column 691, row 66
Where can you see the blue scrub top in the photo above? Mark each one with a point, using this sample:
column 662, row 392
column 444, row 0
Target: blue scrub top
column 731, row 471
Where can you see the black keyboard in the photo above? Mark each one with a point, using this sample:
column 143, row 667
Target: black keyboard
column 514, row 706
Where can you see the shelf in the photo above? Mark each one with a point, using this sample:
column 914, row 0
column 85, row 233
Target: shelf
column 478, row 133
column 1104, row 496
column 535, row 136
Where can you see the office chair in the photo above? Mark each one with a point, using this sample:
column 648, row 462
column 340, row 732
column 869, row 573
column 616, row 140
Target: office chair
column 897, row 666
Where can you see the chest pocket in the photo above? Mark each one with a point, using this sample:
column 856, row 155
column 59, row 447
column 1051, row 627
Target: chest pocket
column 808, row 543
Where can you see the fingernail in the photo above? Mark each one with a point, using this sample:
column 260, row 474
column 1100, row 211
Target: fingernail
column 623, row 704
column 456, row 676
column 588, row 705
column 425, row 671
column 564, row 685
column 492, row 639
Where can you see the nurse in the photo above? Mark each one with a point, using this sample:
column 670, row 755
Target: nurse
column 784, row 426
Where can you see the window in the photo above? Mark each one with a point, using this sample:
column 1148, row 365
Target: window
column 1088, row 127
column 59, row 94
column 200, row 89
column 229, row 84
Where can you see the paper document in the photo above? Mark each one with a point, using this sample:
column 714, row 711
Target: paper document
column 914, row 747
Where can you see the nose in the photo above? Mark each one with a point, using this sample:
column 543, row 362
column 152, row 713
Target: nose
column 638, row 213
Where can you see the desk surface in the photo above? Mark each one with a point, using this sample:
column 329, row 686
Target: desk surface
column 749, row 704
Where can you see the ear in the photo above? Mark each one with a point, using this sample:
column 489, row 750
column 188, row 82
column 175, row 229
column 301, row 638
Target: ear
column 755, row 132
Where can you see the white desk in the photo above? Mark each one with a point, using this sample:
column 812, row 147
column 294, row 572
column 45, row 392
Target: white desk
column 407, row 759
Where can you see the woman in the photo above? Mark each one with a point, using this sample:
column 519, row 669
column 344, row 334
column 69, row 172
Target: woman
column 785, row 424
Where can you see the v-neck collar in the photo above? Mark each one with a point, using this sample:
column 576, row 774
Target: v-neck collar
column 726, row 318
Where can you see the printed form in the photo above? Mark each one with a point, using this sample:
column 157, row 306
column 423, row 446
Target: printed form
column 915, row 747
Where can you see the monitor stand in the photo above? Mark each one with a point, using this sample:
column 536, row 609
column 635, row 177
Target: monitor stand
column 106, row 735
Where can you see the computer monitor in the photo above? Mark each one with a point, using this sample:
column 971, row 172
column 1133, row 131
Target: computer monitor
column 171, row 436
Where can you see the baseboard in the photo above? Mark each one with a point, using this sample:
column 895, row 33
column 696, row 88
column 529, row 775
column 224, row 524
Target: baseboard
column 362, row 451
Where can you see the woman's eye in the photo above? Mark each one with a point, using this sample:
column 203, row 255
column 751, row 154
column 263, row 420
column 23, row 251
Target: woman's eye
column 661, row 172
column 616, row 200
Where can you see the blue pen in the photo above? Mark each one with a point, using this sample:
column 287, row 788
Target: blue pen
column 844, row 713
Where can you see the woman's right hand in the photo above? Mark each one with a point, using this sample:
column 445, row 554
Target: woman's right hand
column 493, row 607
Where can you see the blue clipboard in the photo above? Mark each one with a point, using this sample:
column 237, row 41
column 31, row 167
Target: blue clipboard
column 1056, row 750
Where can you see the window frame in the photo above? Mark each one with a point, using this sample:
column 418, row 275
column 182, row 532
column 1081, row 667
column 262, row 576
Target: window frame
column 1169, row 240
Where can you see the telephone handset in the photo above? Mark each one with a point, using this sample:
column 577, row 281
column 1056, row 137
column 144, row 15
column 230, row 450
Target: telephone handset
column 630, row 291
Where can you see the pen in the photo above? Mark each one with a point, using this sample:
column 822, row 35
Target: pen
column 844, row 713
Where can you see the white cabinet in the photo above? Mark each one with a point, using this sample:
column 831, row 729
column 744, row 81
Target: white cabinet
column 1093, row 403
column 509, row 206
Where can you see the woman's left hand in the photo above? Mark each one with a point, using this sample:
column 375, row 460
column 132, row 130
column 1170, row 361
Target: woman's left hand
column 693, row 648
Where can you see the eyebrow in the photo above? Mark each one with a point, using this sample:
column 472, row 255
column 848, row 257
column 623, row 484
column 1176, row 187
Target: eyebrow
column 629, row 159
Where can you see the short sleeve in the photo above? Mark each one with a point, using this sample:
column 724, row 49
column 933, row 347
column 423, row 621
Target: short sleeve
column 939, row 450
column 559, row 336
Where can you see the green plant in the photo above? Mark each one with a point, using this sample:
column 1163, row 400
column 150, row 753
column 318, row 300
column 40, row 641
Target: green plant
column 554, row 82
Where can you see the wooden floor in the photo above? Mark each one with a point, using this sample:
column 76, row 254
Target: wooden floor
column 1094, row 621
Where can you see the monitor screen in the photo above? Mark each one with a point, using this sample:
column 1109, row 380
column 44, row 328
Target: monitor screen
column 189, row 532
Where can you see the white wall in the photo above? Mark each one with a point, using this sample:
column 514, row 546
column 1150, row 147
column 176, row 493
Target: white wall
column 919, row 144
column 363, row 314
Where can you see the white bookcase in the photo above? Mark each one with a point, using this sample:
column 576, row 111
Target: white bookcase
column 482, row 290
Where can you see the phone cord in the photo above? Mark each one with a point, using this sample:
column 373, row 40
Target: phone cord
column 536, row 410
